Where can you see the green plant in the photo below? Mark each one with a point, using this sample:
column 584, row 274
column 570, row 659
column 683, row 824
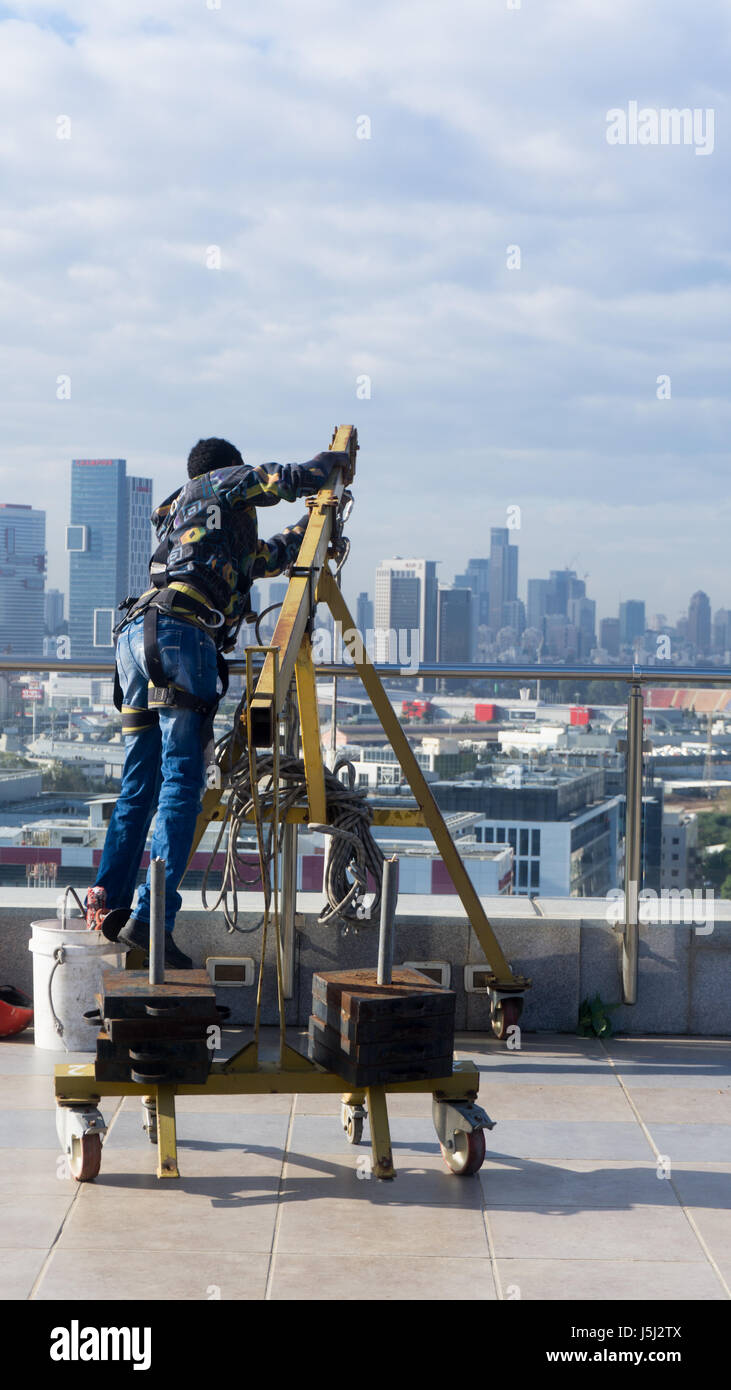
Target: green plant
column 594, row 1021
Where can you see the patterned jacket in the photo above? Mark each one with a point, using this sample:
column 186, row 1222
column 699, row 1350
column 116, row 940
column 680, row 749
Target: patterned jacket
column 209, row 544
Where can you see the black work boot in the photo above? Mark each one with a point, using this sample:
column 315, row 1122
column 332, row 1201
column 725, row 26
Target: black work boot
column 175, row 959
column 135, row 934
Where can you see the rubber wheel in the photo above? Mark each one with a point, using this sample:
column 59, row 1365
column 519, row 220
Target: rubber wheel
column 149, row 1122
column 86, row 1158
column 468, row 1154
column 506, row 1015
column 354, row 1129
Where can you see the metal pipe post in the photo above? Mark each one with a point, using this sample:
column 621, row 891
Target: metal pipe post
column 157, row 922
column 289, row 857
column 389, row 899
column 633, row 844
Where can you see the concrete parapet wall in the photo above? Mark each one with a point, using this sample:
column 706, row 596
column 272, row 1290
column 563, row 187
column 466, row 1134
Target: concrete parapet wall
column 569, row 952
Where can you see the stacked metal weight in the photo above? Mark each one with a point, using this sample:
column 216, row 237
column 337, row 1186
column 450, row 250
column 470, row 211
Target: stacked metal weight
column 155, row 1033
column 371, row 1034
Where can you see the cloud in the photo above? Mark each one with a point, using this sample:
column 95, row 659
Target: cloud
column 236, row 129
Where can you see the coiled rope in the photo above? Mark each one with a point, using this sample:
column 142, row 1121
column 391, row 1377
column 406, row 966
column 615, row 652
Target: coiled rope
column 353, row 854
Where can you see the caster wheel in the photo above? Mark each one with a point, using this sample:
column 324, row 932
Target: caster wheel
column 86, row 1157
column 149, row 1121
column 354, row 1129
column 505, row 1015
column 468, row 1154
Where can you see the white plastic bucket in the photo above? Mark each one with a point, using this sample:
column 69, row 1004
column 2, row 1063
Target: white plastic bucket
column 74, row 980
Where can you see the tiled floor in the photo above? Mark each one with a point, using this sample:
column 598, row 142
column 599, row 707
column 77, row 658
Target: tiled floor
column 608, row 1176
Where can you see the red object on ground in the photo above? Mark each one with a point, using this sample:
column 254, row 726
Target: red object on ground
column 416, row 709
column 484, row 713
column 16, row 1011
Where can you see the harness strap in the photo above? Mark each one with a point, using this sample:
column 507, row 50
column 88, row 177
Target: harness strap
column 136, row 720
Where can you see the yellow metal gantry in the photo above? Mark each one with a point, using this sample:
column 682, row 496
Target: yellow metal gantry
column 288, row 662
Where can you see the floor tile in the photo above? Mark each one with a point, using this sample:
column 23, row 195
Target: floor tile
column 681, row 1104
column 362, row 1226
column 539, row 1139
column 349, row 1278
column 28, row 1129
column 172, row 1220
column 19, row 1270
column 153, row 1276
column 607, row 1280
column 602, row 1234
column 33, row 1222
column 427, row 1181
column 584, row 1184
column 693, row 1143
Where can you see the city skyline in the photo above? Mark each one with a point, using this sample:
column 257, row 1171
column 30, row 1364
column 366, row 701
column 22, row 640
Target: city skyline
column 140, row 496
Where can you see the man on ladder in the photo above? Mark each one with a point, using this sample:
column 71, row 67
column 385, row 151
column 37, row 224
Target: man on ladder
column 170, row 649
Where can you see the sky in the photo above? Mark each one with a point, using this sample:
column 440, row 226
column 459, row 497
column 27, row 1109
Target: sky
column 212, row 247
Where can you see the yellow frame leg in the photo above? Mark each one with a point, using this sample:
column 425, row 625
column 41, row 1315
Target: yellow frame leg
column 380, row 1132
column 329, row 593
column 167, row 1149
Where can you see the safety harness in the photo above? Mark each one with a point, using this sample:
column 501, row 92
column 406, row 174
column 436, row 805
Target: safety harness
column 162, row 693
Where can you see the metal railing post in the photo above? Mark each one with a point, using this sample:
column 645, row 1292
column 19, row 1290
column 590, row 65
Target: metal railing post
column 157, row 922
column 289, row 858
column 633, row 843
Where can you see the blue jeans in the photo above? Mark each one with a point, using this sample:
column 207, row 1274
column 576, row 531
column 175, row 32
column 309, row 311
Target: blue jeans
column 163, row 767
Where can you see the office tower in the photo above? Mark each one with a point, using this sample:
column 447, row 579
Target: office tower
column 561, row 637
column 722, row 631
column 503, row 575
column 53, row 611
column 98, row 544
column 476, row 579
column 142, row 539
column 561, row 586
column 406, row 613
column 536, row 607
column 631, row 621
column 514, row 615
column 454, row 628
column 364, row 615
column 22, row 579
column 609, row 636
column 699, row 623
column 582, row 614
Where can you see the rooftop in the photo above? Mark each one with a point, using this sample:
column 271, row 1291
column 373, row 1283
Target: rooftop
column 607, row 1177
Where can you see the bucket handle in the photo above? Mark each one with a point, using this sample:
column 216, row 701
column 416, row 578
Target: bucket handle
column 72, row 890
column 59, row 957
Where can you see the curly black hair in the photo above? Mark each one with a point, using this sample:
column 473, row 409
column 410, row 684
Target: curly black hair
column 208, row 454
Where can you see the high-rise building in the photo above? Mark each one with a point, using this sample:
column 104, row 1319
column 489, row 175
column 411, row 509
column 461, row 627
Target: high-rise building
column 53, row 611
column 476, row 579
column 537, row 591
column 631, row 621
column 364, row 615
column 582, row 613
column 699, row 623
column 609, row 636
column 97, row 540
column 562, row 586
column 454, row 629
column 514, row 615
column 503, row 575
column 722, row 631
column 142, row 539
column 406, row 612
column 22, row 579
